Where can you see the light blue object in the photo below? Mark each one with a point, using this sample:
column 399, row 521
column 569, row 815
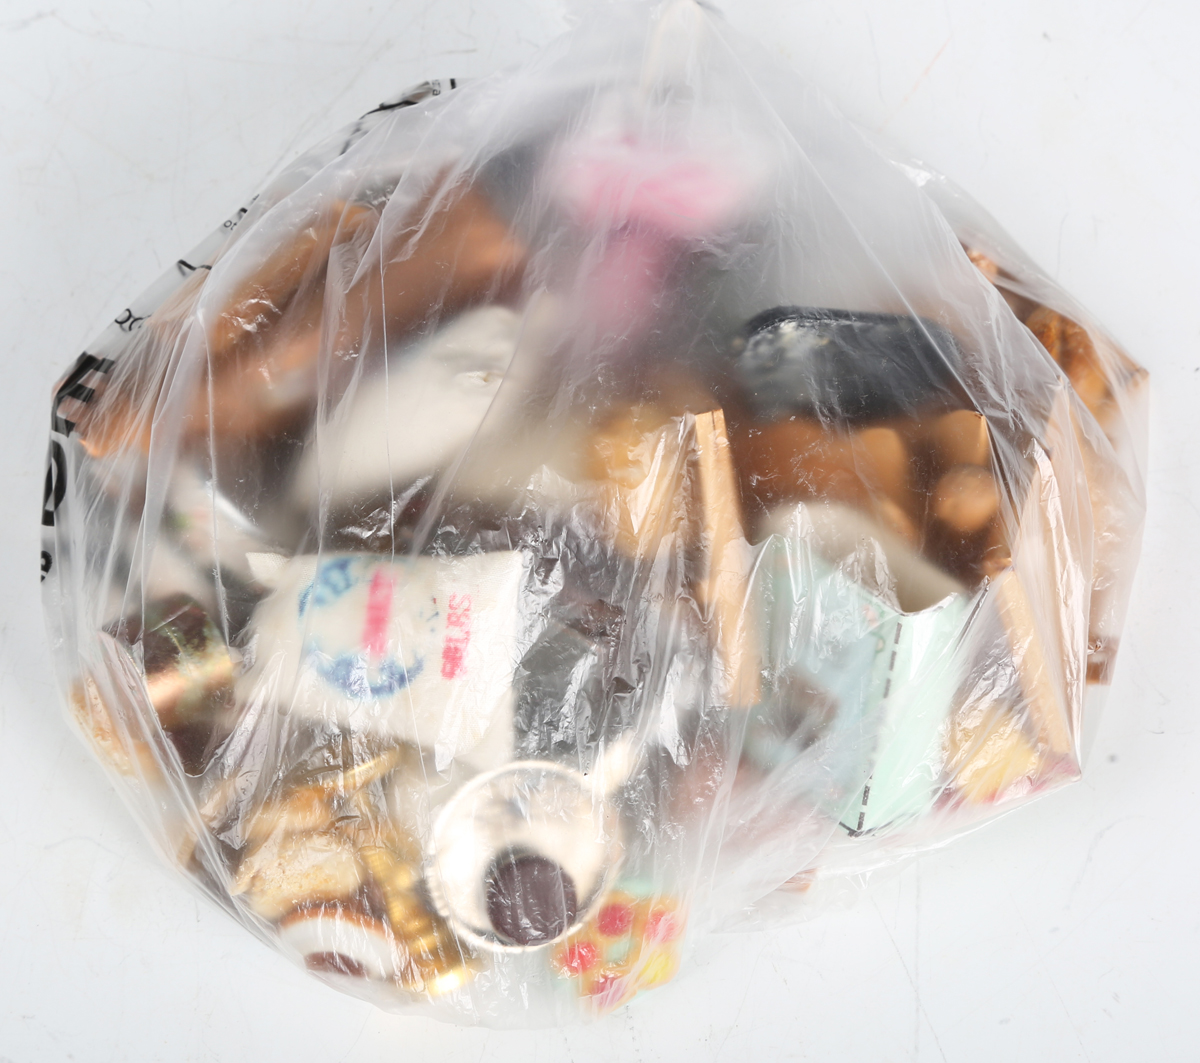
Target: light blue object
column 866, row 636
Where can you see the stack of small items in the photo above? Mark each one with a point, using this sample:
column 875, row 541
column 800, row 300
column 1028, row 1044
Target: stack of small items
column 563, row 514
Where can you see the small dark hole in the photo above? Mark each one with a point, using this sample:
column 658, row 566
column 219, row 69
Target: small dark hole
column 530, row 899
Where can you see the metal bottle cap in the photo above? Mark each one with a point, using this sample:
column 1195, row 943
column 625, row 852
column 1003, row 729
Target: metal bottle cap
column 522, row 856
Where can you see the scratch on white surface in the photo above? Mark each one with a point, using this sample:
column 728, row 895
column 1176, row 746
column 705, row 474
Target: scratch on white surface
column 917, row 84
column 357, row 1037
column 911, row 980
column 1088, row 860
column 738, row 1014
column 1058, row 251
column 106, row 36
column 916, row 975
column 878, row 65
column 1049, row 978
column 24, row 23
column 1140, row 12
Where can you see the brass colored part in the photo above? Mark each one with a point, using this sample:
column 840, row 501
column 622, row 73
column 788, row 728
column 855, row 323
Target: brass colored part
column 371, row 770
column 397, row 879
column 425, row 946
column 435, row 981
column 407, row 913
column 436, row 961
column 449, row 979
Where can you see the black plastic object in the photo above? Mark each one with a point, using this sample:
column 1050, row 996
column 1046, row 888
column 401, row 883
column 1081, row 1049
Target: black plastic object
column 844, row 367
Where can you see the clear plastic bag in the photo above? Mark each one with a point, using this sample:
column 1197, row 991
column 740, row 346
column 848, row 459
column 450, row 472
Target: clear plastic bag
column 580, row 509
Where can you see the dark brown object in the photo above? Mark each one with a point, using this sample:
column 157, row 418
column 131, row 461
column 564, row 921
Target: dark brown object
column 530, row 899
column 187, row 668
column 334, row 963
column 799, row 459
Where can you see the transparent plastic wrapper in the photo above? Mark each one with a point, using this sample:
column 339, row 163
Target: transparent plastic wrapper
column 581, row 509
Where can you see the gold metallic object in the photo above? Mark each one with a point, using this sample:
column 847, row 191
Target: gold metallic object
column 436, row 961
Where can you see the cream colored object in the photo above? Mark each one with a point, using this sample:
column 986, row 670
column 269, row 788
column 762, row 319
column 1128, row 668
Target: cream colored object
column 413, row 419
column 1038, row 677
column 723, row 588
column 127, row 755
column 287, row 873
column 988, row 754
column 297, row 812
column 1043, row 600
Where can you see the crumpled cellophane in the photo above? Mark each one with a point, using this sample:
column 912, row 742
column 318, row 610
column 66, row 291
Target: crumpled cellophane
column 580, row 509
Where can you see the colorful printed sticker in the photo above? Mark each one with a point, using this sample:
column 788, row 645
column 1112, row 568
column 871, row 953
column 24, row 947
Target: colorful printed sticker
column 631, row 944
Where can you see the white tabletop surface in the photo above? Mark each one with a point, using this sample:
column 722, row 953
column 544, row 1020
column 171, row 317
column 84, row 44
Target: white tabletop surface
column 1068, row 930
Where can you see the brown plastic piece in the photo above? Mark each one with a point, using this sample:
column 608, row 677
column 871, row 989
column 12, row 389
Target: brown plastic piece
column 265, row 346
column 960, row 438
column 966, row 498
column 264, row 298
column 983, row 263
column 456, row 252
column 798, row 459
column 1071, row 347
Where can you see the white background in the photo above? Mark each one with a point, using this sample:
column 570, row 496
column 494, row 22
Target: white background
column 1069, row 930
